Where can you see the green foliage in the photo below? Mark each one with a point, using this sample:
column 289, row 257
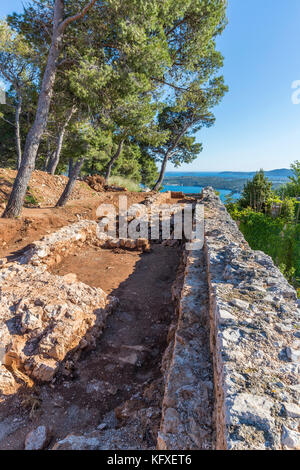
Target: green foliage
column 142, row 72
column 278, row 237
column 7, row 132
column 30, row 198
column 16, row 57
column 292, row 188
column 149, row 173
column 256, row 192
column 122, row 182
column 18, row 70
column 270, row 221
column 128, row 164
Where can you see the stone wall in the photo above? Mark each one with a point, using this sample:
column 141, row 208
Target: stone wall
column 255, row 340
column 187, row 410
column 254, row 337
column 52, row 248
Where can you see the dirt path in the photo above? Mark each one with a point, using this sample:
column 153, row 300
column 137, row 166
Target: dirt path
column 126, row 363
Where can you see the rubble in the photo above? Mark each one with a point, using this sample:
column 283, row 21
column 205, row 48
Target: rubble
column 44, row 318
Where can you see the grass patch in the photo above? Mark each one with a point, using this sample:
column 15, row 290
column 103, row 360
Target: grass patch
column 30, row 199
column 124, row 183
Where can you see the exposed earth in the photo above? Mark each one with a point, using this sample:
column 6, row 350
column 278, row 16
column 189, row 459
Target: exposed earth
column 118, row 385
column 128, row 356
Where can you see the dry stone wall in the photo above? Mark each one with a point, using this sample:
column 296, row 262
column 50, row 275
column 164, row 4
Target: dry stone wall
column 188, row 399
column 255, row 340
column 254, row 335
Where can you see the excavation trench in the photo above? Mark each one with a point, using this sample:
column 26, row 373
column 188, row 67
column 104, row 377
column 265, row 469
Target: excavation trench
column 126, row 363
column 147, row 382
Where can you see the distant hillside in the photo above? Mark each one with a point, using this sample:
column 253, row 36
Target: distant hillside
column 278, row 174
column 230, row 180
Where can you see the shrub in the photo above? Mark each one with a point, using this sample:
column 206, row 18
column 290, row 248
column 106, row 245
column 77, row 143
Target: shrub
column 124, row 183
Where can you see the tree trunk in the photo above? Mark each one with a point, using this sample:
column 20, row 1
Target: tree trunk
column 70, row 167
column 166, row 158
column 71, row 183
column 112, row 161
column 48, row 156
column 17, row 196
column 48, row 160
column 55, row 160
column 162, row 172
column 17, row 123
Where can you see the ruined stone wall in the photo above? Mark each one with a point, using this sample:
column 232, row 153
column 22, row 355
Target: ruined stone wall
column 255, row 340
column 254, row 336
column 52, row 248
column 44, row 318
column 187, row 409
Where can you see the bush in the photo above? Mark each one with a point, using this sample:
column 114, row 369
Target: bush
column 30, row 198
column 276, row 237
column 124, row 183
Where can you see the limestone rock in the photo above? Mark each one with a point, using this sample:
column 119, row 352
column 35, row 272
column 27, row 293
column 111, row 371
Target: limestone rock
column 30, row 321
column 171, row 422
column 290, row 439
column 3, row 262
column 293, row 354
column 255, row 410
column 38, row 439
column 58, row 314
column 226, row 317
column 70, row 278
column 240, row 304
column 292, row 410
column 44, row 369
column 8, row 384
column 73, row 442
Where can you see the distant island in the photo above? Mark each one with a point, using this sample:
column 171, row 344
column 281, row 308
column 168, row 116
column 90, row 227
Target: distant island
column 226, row 180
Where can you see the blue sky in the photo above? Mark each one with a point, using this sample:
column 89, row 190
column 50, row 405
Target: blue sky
column 257, row 124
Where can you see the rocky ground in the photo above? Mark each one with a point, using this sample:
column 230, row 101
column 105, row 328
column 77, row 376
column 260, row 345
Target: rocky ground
column 44, row 190
column 91, row 394
column 83, row 331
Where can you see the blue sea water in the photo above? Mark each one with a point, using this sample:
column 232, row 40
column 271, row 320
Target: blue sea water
column 206, row 173
column 275, row 175
column 191, row 173
column 196, row 190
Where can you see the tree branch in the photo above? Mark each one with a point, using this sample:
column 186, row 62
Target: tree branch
column 169, row 84
column 177, row 25
column 76, row 17
column 8, row 122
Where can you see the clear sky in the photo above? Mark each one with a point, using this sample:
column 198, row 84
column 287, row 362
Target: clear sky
column 257, row 124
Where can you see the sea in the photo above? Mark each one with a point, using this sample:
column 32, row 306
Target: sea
column 196, row 189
